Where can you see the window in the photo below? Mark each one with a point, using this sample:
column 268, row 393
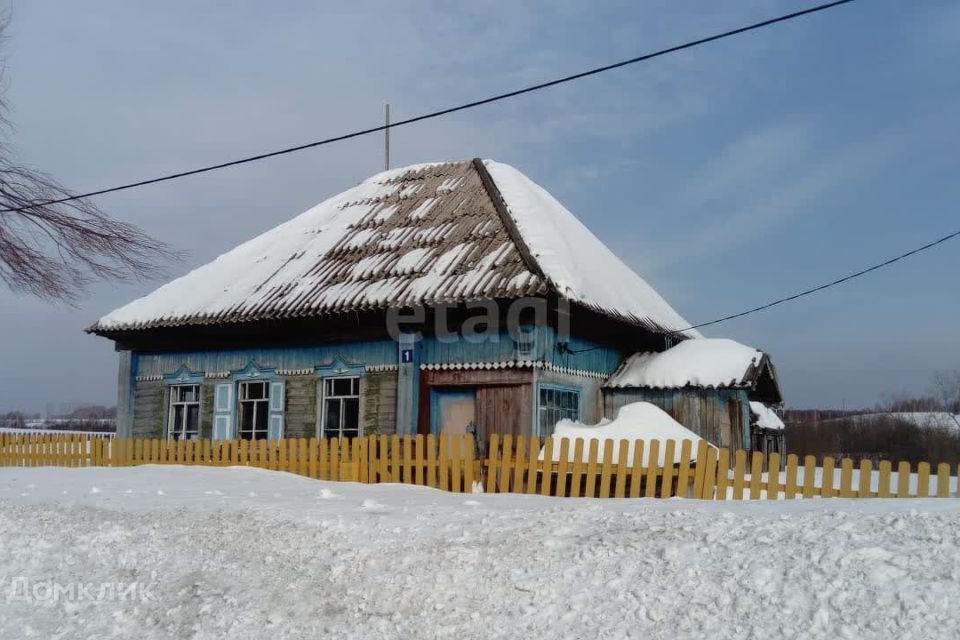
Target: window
column 555, row 405
column 341, row 407
column 183, row 420
column 523, row 342
column 254, row 414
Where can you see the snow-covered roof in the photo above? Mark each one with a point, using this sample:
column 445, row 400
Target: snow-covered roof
column 699, row 362
column 766, row 418
column 635, row 421
column 423, row 234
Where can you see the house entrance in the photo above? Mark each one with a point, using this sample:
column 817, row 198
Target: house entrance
column 452, row 409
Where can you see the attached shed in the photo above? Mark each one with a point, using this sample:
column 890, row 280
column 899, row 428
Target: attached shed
column 704, row 384
column 767, row 429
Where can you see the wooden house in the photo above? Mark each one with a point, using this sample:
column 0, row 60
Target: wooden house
column 430, row 298
column 710, row 386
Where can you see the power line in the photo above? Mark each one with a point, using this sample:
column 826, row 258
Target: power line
column 436, row 114
column 834, row 283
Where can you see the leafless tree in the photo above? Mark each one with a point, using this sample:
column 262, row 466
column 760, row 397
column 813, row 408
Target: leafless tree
column 946, row 388
column 56, row 250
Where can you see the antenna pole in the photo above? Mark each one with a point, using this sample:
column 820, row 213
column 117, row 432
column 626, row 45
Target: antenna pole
column 386, row 139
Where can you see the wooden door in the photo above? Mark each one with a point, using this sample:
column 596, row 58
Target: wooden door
column 503, row 409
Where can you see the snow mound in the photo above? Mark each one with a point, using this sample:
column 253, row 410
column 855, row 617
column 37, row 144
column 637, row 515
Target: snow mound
column 636, row 421
column 766, row 417
column 703, row 362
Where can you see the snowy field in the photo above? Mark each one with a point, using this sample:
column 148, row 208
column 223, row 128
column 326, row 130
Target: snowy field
column 247, row 553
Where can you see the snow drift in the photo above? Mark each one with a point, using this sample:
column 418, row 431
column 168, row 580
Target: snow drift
column 249, row 554
column 636, row 421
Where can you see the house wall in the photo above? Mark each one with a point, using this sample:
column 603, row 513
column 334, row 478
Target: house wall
column 576, row 362
column 720, row 416
column 149, row 398
column 591, row 400
column 300, row 410
column 379, row 405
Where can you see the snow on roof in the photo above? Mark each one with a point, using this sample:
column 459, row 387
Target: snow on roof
column 635, row 421
column 577, row 263
column 424, row 234
column 766, row 417
column 700, row 362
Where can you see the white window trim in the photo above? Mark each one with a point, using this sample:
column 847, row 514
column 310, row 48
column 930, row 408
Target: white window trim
column 264, row 402
column 171, row 413
column 322, row 403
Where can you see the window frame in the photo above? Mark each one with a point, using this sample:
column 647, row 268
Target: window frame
column 263, row 402
column 324, row 396
column 173, row 401
column 576, row 391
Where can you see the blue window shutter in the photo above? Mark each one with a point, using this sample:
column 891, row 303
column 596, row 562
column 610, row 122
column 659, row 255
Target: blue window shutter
column 277, row 402
column 223, row 411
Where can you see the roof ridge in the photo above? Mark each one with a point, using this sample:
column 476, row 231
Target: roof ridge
column 500, row 205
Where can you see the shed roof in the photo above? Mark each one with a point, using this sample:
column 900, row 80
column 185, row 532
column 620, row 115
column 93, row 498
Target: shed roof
column 701, row 362
column 423, row 234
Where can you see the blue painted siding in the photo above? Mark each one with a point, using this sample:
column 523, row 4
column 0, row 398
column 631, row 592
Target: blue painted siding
column 377, row 352
column 588, row 355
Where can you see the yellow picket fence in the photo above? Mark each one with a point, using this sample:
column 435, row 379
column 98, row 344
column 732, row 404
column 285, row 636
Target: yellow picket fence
column 510, row 465
column 444, row 463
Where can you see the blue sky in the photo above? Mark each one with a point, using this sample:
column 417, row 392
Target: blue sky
column 726, row 176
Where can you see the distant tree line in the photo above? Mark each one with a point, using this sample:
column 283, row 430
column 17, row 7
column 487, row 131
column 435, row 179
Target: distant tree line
column 96, row 418
column 879, row 433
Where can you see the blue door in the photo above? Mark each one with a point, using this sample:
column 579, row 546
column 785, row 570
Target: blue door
column 452, row 409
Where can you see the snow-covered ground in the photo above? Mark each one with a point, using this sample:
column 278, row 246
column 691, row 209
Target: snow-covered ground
column 246, row 553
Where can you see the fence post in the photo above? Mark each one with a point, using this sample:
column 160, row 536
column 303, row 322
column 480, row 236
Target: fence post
column 709, row 474
column 636, row 472
column 432, row 460
column 532, row 461
column 519, row 463
column 883, row 489
column 564, row 462
column 456, row 460
column 739, row 473
column 468, row 470
column 756, row 475
column 576, row 474
column 923, row 480
column 506, row 460
column 846, row 478
column 419, row 459
column 546, row 476
column 723, row 473
column 943, row 480
column 809, row 476
column 773, row 477
column 866, row 475
column 903, row 480
column 653, row 466
column 591, row 484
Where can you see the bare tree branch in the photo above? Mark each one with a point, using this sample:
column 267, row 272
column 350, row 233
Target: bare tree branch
column 56, row 251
